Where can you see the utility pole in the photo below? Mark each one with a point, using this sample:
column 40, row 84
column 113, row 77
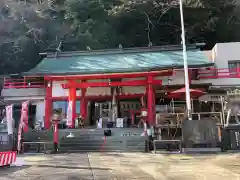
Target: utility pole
column 187, row 89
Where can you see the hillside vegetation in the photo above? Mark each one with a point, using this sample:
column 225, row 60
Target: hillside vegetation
column 28, row 27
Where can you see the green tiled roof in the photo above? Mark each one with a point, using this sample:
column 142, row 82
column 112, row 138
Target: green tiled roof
column 117, row 61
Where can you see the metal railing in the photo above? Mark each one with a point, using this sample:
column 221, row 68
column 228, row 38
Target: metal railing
column 10, row 83
column 179, row 117
column 214, row 73
column 5, row 146
column 6, row 142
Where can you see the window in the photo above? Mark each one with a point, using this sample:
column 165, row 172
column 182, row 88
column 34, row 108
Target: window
column 64, row 105
column 234, row 67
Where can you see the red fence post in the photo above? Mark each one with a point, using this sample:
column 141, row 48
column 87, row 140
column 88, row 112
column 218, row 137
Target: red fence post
column 48, row 105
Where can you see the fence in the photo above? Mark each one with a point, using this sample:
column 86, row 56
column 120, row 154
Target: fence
column 231, row 137
column 196, row 116
column 214, row 73
column 10, row 83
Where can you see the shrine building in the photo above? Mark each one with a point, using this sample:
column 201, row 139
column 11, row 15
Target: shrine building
column 90, row 80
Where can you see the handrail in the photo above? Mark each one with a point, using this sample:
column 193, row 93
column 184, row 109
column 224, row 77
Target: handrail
column 22, row 83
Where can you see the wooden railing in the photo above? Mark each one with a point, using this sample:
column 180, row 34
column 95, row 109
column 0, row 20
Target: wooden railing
column 10, row 83
column 215, row 73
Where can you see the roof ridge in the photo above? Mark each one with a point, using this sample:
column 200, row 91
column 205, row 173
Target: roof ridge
column 122, row 51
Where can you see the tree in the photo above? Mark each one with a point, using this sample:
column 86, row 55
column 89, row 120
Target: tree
column 29, row 27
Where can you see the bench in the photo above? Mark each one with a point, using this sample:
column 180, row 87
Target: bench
column 168, row 142
column 39, row 143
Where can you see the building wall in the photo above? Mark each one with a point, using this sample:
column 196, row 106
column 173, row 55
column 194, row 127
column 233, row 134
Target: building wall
column 222, row 53
column 27, row 92
column 225, row 52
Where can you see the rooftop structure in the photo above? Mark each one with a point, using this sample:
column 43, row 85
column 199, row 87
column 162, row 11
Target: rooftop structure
column 118, row 61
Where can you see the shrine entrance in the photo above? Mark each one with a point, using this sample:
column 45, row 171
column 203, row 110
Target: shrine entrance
column 110, row 111
column 115, row 112
column 121, row 103
column 104, row 110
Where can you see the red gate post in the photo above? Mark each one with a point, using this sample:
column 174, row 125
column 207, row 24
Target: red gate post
column 150, row 99
column 73, row 94
column 48, row 105
column 83, row 104
column 154, row 106
column 72, row 98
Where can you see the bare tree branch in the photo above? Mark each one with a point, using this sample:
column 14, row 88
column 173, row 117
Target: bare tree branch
column 149, row 22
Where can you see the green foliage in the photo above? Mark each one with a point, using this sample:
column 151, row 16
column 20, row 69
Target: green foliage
column 28, row 28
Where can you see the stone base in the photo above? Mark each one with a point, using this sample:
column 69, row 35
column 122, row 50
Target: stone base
column 201, row 150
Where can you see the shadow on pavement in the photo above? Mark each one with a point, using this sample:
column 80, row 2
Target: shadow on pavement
column 72, row 167
column 7, row 170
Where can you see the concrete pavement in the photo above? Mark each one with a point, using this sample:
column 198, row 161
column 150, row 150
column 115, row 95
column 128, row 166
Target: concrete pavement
column 125, row 166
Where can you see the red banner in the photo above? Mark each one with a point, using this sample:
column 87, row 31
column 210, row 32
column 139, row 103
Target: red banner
column 9, row 118
column 24, row 115
column 23, row 124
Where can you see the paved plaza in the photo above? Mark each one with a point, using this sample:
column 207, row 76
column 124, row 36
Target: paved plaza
column 124, row 166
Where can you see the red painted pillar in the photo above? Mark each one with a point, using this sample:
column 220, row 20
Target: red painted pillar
column 154, row 106
column 150, row 99
column 83, row 104
column 48, row 105
column 73, row 99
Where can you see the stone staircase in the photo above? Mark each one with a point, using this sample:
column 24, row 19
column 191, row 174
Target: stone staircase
column 90, row 140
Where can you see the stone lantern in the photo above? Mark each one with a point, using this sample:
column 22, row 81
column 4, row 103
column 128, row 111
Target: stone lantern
column 56, row 117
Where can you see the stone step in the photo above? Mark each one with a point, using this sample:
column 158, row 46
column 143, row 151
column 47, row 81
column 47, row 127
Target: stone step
column 109, row 139
column 102, row 148
column 79, row 151
column 116, row 131
column 87, row 142
column 80, row 144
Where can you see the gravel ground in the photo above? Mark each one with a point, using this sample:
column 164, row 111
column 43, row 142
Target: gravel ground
column 124, row 166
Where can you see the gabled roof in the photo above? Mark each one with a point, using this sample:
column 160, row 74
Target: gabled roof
column 118, row 61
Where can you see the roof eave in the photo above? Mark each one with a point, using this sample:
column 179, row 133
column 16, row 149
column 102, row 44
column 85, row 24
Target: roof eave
column 143, row 70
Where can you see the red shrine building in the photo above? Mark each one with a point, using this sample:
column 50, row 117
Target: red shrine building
column 93, row 80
